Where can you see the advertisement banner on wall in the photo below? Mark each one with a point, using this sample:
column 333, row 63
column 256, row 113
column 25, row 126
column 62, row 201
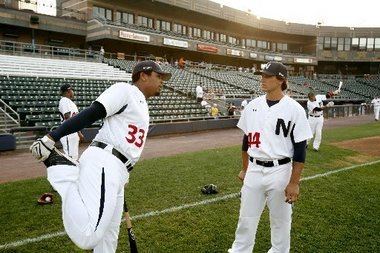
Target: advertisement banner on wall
column 176, row 43
column 234, row 52
column 303, row 60
column 272, row 58
column 134, row 36
column 207, row 48
column 252, row 55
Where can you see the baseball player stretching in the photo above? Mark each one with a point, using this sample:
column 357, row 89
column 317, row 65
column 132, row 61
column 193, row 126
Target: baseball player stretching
column 376, row 107
column 274, row 148
column 92, row 190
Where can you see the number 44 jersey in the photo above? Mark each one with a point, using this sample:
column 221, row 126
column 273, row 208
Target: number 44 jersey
column 271, row 130
column 126, row 124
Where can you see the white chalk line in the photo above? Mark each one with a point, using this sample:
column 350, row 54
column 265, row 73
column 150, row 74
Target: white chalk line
column 176, row 208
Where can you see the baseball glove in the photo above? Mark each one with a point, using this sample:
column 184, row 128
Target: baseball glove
column 209, row 189
column 46, row 198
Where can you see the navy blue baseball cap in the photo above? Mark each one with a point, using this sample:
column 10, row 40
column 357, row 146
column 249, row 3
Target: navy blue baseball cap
column 274, row 68
column 146, row 66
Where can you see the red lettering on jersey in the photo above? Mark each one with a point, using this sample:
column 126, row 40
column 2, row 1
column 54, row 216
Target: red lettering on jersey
column 141, row 138
column 254, row 139
column 131, row 138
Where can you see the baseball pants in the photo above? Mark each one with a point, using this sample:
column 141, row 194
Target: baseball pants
column 376, row 110
column 316, row 125
column 70, row 145
column 92, row 198
column 264, row 186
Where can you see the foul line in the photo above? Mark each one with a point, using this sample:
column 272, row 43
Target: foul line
column 176, row 208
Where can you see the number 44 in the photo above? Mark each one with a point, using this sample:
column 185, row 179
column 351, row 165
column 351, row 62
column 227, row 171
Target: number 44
column 254, row 139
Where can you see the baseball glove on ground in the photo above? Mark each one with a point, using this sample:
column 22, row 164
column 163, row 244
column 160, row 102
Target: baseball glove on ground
column 46, row 198
column 209, row 189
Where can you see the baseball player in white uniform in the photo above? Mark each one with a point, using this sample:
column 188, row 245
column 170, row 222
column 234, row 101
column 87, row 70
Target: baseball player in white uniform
column 67, row 109
column 199, row 93
column 274, row 148
column 92, row 190
column 315, row 114
column 376, row 107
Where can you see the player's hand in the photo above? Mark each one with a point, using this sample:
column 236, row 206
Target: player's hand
column 241, row 175
column 292, row 192
column 42, row 148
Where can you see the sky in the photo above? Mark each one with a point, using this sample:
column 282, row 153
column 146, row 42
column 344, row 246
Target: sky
column 349, row 13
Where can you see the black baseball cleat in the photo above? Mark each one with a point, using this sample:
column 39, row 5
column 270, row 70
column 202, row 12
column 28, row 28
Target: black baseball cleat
column 57, row 158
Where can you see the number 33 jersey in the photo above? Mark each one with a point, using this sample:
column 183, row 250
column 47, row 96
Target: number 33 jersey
column 272, row 130
column 127, row 121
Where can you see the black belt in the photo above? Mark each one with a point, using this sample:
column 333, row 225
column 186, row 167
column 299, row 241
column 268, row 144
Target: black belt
column 116, row 153
column 270, row 163
column 315, row 116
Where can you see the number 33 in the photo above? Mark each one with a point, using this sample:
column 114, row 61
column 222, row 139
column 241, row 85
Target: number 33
column 131, row 138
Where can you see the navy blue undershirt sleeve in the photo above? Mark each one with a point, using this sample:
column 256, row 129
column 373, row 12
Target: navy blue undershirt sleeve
column 299, row 152
column 244, row 146
column 83, row 119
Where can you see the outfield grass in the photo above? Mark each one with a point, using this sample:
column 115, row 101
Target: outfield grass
column 338, row 213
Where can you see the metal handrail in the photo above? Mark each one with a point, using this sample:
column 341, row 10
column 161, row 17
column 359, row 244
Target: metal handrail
column 17, row 121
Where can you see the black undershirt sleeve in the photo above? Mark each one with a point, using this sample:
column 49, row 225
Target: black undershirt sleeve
column 299, row 152
column 244, row 146
column 317, row 109
column 83, row 119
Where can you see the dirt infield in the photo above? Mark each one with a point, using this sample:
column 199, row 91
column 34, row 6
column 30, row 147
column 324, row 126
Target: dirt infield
column 369, row 146
column 18, row 165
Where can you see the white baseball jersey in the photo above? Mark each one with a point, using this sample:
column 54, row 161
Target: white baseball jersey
column 199, row 91
column 376, row 102
column 70, row 143
column 127, row 121
column 65, row 106
column 313, row 104
column 269, row 129
column 320, row 98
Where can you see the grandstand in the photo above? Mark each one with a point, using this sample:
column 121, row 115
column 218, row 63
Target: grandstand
column 35, row 59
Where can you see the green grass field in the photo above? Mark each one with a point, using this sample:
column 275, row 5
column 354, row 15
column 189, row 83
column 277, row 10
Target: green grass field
column 336, row 213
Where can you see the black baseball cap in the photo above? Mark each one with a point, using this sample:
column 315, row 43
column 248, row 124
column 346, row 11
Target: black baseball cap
column 145, row 66
column 65, row 88
column 274, row 68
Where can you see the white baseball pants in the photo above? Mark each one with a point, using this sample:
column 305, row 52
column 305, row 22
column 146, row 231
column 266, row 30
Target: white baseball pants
column 70, row 145
column 264, row 186
column 376, row 110
column 316, row 125
column 92, row 198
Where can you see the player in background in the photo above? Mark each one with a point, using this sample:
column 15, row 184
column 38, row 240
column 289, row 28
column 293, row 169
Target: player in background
column 273, row 155
column 315, row 108
column 92, row 190
column 376, row 107
column 67, row 109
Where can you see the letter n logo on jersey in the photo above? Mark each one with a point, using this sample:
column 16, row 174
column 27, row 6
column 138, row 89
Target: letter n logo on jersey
column 285, row 129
